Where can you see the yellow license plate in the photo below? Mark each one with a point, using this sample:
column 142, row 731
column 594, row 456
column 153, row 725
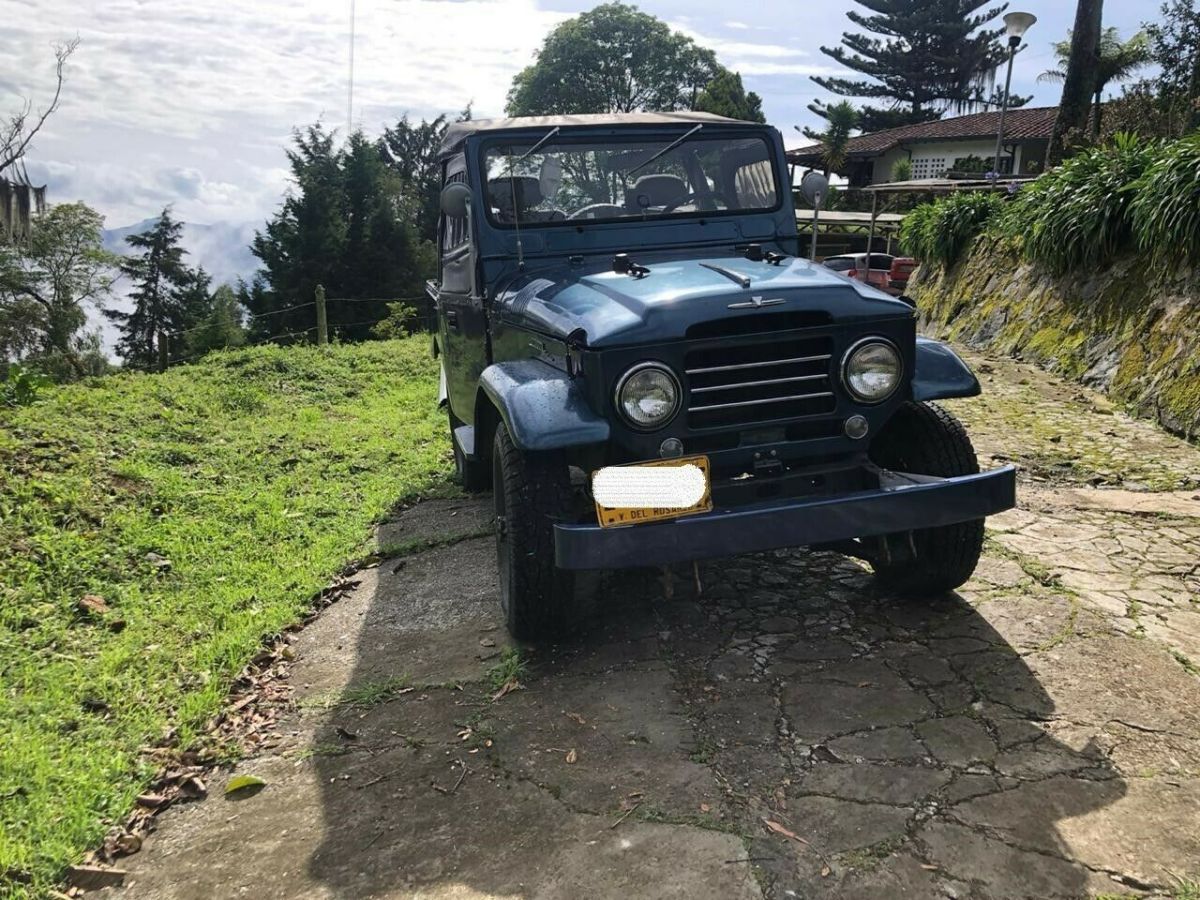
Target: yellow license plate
column 612, row 517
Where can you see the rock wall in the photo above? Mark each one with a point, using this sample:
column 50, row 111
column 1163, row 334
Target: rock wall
column 1129, row 330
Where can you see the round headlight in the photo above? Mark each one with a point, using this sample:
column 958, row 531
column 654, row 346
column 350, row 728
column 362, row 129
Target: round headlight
column 648, row 396
column 872, row 370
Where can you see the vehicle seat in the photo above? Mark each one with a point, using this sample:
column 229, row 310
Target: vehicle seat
column 654, row 191
column 525, row 189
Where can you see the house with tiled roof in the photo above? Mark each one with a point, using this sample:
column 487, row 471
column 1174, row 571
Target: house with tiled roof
column 946, row 145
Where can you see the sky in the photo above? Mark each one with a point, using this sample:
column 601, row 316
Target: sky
column 191, row 102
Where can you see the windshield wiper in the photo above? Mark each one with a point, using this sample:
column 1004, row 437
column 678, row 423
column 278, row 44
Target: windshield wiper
column 534, row 149
column 667, row 149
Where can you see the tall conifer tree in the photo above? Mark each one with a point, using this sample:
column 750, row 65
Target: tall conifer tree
column 160, row 282
column 920, row 57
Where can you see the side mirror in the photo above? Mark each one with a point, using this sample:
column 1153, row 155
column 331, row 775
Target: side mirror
column 456, row 200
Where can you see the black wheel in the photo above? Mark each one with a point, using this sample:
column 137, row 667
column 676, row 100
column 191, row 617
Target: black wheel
column 925, row 439
column 532, row 492
column 472, row 476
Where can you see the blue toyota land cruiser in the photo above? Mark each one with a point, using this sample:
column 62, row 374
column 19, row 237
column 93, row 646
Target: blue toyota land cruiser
column 635, row 360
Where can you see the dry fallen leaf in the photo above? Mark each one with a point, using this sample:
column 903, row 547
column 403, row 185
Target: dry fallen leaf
column 928, row 867
column 242, row 783
column 92, row 604
column 783, row 830
column 572, row 756
column 704, row 807
column 825, row 871
column 576, row 717
column 193, row 787
column 509, row 686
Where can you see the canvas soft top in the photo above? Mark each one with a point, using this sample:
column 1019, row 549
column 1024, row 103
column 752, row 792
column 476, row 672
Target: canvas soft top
column 457, row 132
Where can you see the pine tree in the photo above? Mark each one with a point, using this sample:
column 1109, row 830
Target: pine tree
column 347, row 226
column 220, row 327
column 932, row 55
column 160, row 281
column 302, row 245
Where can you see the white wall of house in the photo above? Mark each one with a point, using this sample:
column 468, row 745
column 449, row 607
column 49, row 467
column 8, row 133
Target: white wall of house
column 931, row 160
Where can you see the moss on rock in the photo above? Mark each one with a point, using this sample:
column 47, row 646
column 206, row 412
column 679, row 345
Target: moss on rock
column 1122, row 329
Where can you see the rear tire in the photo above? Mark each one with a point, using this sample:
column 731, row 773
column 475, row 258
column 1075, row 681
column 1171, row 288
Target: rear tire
column 532, row 492
column 924, row 439
column 472, row 475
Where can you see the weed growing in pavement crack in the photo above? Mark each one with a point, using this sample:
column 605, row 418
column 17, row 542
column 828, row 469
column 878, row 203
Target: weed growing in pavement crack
column 510, row 667
column 363, row 695
column 416, row 545
column 1190, row 667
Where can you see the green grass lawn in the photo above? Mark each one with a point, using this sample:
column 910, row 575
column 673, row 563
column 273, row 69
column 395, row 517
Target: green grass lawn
column 256, row 474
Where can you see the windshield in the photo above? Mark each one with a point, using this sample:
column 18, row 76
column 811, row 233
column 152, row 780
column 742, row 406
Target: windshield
column 614, row 178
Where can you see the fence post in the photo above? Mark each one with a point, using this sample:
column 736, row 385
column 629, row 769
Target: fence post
column 164, row 351
column 322, row 325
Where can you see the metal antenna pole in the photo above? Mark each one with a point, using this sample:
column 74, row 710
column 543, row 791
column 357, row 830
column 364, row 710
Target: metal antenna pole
column 812, row 247
column 350, row 85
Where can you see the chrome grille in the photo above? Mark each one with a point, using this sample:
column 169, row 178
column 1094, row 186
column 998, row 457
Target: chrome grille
column 760, row 382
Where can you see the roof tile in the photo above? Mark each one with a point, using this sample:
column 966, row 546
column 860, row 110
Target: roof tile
column 1020, row 124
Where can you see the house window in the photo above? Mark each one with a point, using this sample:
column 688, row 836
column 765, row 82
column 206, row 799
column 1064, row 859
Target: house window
column 925, row 167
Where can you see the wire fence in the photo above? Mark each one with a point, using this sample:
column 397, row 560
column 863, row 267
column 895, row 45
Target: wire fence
column 424, row 319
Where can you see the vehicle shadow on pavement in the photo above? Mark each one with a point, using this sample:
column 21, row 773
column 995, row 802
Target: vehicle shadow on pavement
column 786, row 730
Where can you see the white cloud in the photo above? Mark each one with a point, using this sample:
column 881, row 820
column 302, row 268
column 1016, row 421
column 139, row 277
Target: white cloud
column 192, row 101
column 751, row 58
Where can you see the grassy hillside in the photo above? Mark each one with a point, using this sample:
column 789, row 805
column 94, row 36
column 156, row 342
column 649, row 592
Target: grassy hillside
column 206, row 506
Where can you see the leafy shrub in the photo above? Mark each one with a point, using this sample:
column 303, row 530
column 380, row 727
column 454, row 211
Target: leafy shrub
column 1077, row 215
column 902, row 170
column 1165, row 203
column 20, row 386
column 401, row 321
column 914, row 231
column 940, row 231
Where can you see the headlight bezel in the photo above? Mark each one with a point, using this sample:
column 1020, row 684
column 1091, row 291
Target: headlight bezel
column 858, row 346
column 623, row 381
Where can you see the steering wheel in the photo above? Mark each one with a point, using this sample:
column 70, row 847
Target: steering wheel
column 598, row 211
column 695, row 195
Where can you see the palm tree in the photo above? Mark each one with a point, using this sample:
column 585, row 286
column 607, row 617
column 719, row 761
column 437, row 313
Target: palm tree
column 1079, row 80
column 1116, row 61
column 841, row 120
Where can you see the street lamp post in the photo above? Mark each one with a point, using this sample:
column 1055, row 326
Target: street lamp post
column 1015, row 26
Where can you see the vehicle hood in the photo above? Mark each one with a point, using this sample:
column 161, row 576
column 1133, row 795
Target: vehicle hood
column 615, row 309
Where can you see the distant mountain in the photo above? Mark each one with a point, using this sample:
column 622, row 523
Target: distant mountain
column 223, row 248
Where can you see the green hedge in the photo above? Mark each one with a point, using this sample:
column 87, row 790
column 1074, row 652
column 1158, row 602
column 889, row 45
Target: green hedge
column 942, row 230
column 1165, row 207
column 1076, row 217
column 1101, row 203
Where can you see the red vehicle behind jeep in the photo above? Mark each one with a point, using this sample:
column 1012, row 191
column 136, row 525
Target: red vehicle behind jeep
column 886, row 272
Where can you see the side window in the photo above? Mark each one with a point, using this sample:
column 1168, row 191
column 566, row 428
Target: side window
column 454, row 231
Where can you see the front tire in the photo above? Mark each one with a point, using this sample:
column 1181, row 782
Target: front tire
column 925, row 439
column 532, row 491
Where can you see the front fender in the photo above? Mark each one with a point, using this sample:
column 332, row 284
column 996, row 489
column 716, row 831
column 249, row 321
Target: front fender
column 541, row 406
column 941, row 373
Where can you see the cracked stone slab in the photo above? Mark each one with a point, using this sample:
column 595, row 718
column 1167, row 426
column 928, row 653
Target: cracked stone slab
column 1030, row 735
column 1140, row 828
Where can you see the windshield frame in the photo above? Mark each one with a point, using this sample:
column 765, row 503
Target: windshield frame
column 628, row 135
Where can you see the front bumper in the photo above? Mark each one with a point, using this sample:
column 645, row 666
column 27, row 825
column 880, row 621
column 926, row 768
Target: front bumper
column 901, row 503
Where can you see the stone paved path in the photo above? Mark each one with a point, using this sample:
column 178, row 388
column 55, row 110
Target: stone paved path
column 789, row 731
